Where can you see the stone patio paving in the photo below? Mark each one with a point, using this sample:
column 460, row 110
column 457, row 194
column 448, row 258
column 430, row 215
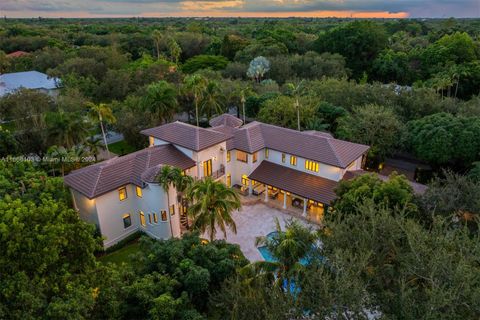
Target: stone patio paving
column 253, row 221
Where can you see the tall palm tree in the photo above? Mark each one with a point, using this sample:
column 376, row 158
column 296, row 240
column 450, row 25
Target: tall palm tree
column 195, row 85
column 66, row 128
column 294, row 90
column 165, row 178
column 157, row 39
column 213, row 100
column 213, row 204
column 288, row 247
column 161, row 99
column 101, row 113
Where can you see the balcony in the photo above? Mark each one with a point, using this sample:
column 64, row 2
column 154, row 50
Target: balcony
column 219, row 173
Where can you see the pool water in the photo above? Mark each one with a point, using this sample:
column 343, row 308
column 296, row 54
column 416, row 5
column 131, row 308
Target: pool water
column 267, row 256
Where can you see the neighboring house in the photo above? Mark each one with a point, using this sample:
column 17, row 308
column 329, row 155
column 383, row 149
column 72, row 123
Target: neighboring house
column 17, row 54
column 10, row 82
column 291, row 168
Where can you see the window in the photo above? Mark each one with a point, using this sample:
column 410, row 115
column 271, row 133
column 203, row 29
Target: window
column 138, row 191
column 229, row 180
column 311, row 165
column 207, row 168
column 254, row 157
column 155, row 218
column 229, row 156
column 245, row 180
column 151, row 141
column 171, row 210
column 266, row 153
column 142, row 219
column 122, row 193
column 283, row 157
column 293, row 160
column 149, row 218
column 163, row 214
column 242, row 156
column 127, row 220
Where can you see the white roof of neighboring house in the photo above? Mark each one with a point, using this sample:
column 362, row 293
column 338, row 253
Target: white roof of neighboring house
column 10, row 82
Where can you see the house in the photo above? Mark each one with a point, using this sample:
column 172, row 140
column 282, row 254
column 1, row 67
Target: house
column 17, row 54
column 10, row 82
column 288, row 167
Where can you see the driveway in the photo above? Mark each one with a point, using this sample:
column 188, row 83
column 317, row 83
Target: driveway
column 253, row 221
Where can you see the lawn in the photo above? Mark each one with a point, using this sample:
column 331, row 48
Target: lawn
column 121, row 148
column 122, row 254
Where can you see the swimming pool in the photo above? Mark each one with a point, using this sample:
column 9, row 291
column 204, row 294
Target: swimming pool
column 268, row 256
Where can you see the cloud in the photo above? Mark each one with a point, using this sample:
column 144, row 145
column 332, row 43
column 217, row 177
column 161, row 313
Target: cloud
column 415, row 8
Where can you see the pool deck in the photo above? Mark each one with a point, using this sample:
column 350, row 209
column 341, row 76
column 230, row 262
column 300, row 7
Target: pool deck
column 252, row 221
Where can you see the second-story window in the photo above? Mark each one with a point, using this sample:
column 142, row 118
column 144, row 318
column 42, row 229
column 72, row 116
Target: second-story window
column 242, row 156
column 266, row 153
column 311, row 165
column 229, row 156
column 151, row 141
column 207, row 168
column 122, row 193
column 254, row 157
column 138, row 191
column 293, row 160
column 283, row 157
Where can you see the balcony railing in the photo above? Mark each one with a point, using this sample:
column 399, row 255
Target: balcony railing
column 219, row 173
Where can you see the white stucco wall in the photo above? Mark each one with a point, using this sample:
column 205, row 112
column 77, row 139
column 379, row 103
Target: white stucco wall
column 217, row 153
column 86, row 207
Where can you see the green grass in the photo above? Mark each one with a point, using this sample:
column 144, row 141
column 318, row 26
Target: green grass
column 121, row 255
column 121, row 148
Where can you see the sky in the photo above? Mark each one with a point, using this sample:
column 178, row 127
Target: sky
column 241, row 8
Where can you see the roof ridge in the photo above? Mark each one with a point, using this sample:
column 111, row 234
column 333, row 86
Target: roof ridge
column 97, row 180
column 334, row 151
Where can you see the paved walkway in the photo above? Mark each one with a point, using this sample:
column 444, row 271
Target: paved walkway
column 253, row 221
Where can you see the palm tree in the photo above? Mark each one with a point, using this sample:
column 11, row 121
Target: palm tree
column 57, row 156
column 213, row 101
column 195, row 85
column 157, row 39
column 161, row 99
column 166, row 178
column 93, row 144
column 294, row 90
column 100, row 113
column 213, row 204
column 66, row 128
column 288, row 247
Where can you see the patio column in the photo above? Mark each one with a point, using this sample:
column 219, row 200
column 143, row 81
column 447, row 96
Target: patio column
column 305, row 207
column 284, row 199
column 250, row 187
column 266, row 193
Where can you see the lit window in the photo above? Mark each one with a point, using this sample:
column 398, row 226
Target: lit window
column 151, row 141
column 155, row 218
column 142, row 219
column 122, row 193
column 311, row 165
column 149, row 218
column 207, row 168
column 138, row 191
column 171, row 210
column 293, row 160
column 229, row 180
column 127, row 220
column 229, row 156
column 242, row 156
column 163, row 214
column 245, row 180
column 283, row 157
column 266, row 153
column 254, row 157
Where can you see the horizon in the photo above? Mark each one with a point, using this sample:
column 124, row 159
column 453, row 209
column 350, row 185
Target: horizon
column 416, row 9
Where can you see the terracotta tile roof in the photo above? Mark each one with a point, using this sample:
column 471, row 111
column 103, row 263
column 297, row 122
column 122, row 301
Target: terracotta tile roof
column 226, row 120
column 135, row 168
column 186, row 135
column 312, row 145
column 296, row 182
column 418, row 188
column 17, row 54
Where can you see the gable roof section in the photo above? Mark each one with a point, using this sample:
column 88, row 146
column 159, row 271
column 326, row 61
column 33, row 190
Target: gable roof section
column 226, row 120
column 186, row 135
column 312, row 145
column 134, row 168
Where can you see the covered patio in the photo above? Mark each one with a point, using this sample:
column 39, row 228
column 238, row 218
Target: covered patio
column 291, row 189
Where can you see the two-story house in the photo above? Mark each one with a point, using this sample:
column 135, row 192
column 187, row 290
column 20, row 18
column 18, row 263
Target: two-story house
column 293, row 168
